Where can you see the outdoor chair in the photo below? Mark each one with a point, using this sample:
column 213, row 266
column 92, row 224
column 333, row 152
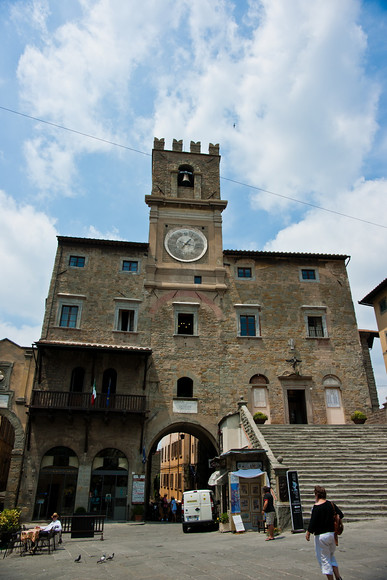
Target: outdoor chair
column 45, row 541
column 14, row 542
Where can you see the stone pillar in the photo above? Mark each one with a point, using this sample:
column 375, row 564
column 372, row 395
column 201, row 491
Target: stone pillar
column 83, row 486
column 13, row 478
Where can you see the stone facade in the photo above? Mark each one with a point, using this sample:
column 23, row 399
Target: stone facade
column 16, row 381
column 377, row 298
column 172, row 336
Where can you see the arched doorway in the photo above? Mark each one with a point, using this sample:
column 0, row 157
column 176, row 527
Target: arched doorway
column 181, row 464
column 109, row 484
column 7, row 440
column 57, row 483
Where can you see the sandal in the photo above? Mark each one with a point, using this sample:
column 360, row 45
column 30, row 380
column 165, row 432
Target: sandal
column 268, row 539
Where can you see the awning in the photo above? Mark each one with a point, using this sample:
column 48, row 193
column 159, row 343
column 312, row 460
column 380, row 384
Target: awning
column 249, row 473
column 218, row 477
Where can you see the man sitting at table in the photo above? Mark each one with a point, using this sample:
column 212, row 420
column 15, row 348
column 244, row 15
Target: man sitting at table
column 54, row 525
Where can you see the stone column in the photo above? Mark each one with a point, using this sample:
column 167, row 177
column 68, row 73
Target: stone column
column 13, row 478
column 83, row 486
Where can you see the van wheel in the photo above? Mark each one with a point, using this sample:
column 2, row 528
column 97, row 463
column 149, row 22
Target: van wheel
column 185, row 528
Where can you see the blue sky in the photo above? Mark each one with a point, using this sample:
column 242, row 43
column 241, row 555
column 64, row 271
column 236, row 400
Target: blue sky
column 294, row 93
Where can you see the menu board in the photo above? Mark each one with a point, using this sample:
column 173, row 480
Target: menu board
column 138, row 489
column 239, row 527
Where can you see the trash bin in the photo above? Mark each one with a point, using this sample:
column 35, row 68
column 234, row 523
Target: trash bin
column 82, row 527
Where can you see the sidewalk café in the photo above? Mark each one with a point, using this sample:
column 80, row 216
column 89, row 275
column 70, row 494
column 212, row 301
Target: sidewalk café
column 238, row 480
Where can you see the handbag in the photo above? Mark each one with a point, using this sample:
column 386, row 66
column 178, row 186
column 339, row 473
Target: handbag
column 338, row 524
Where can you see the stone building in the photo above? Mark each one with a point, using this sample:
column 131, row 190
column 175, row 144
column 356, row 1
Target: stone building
column 377, row 299
column 140, row 340
column 16, row 379
column 178, row 465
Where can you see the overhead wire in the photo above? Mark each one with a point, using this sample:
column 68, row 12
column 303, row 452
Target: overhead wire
column 295, row 200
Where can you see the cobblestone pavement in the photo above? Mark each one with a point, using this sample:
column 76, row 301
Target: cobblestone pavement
column 161, row 551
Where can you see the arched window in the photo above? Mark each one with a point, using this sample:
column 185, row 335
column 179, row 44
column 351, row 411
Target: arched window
column 57, row 483
column 77, row 379
column 185, row 387
column 185, row 176
column 109, row 381
column 332, row 391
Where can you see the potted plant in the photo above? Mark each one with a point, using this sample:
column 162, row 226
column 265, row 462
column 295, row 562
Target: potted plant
column 224, row 522
column 259, row 418
column 9, row 524
column 138, row 513
column 359, row 417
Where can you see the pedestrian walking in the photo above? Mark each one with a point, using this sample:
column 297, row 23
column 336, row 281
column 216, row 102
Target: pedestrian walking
column 322, row 525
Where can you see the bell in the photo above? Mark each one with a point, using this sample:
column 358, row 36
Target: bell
column 186, row 178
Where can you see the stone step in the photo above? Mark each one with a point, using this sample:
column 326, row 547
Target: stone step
column 349, row 460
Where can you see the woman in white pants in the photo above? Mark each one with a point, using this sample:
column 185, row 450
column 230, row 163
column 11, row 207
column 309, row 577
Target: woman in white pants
column 322, row 526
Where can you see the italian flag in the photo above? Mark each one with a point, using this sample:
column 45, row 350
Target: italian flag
column 93, row 394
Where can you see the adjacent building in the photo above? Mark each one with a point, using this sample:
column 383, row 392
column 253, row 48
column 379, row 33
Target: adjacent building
column 377, row 299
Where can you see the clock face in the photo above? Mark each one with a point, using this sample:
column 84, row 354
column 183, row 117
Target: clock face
column 185, row 244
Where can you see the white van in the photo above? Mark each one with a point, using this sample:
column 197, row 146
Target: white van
column 198, row 509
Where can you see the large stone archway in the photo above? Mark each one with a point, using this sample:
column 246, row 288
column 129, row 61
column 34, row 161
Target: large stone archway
column 14, row 474
column 208, row 449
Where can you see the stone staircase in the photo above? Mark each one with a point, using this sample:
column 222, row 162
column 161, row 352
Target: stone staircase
column 350, row 461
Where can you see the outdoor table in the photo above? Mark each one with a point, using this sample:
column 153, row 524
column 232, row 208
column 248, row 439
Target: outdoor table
column 30, row 537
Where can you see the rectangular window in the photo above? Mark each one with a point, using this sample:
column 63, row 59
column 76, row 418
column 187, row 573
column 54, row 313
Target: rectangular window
column 129, row 266
column 259, row 397
column 126, row 314
column 332, row 398
column 308, row 274
column 77, row 261
column 186, row 318
column 68, row 316
column 315, row 326
column 383, row 305
column 247, row 325
column 197, row 280
column 185, row 323
column 244, row 272
column 126, row 320
column 248, row 319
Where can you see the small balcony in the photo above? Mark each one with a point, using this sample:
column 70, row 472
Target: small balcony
column 65, row 401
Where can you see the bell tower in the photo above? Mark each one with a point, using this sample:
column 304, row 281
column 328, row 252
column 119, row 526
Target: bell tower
column 185, row 222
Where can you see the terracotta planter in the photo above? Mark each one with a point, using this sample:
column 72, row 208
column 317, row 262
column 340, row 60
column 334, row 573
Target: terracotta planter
column 138, row 518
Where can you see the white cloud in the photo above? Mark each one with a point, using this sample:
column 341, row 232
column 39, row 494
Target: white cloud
column 27, row 251
column 80, row 76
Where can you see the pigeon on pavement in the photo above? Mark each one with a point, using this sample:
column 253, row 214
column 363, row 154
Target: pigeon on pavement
column 102, row 559
column 78, row 559
column 110, row 557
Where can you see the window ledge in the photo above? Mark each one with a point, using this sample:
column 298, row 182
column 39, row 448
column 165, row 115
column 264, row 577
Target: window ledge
column 131, row 332
column 187, row 335
column 249, row 337
column 318, row 337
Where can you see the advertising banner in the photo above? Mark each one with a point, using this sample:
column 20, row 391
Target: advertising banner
column 295, row 502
